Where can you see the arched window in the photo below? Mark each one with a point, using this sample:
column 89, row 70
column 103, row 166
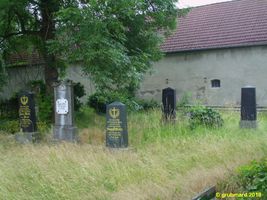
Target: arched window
column 215, row 83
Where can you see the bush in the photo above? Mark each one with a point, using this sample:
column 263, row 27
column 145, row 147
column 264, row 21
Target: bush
column 148, row 104
column 99, row 100
column 43, row 101
column 9, row 108
column 78, row 92
column 200, row 115
column 11, row 126
column 253, row 177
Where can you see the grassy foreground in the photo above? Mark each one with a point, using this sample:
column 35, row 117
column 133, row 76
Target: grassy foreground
column 163, row 161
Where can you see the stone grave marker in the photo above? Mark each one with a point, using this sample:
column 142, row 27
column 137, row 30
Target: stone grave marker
column 64, row 128
column 248, row 107
column 27, row 118
column 169, row 104
column 116, row 125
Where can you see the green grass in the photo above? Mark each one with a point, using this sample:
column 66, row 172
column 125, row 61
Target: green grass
column 164, row 161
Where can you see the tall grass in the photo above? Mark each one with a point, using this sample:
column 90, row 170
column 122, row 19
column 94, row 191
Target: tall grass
column 164, row 161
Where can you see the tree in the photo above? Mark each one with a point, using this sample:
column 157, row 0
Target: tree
column 28, row 25
column 2, row 74
column 115, row 41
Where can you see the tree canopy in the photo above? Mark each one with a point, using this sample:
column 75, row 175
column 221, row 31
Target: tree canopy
column 115, row 41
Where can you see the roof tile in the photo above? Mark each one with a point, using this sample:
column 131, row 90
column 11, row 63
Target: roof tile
column 228, row 24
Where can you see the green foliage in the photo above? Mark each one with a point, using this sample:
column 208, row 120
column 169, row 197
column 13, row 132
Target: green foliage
column 43, row 101
column 2, row 74
column 99, row 101
column 201, row 115
column 45, row 105
column 115, row 40
column 253, row 177
column 184, row 100
column 43, row 128
column 148, row 104
column 10, row 126
column 9, row 108
column 78, row 92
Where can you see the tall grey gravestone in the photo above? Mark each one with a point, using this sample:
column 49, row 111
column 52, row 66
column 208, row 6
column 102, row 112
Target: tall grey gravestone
column 116, row 125
column 248, row 107
column 64, row 128
column 169, row 104
column 27, row 118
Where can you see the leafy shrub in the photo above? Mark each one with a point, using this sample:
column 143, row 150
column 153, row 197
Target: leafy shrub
column 184, row 100
column 43, row 101
column 78, row 92
column 45, row 106
column 9, row 108
column 99, row 100
column 253, row 177
column 148, row 104
column 200, row 115
column 11, row 126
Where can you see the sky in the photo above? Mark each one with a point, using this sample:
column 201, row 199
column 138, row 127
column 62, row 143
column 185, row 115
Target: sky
column 192, row 3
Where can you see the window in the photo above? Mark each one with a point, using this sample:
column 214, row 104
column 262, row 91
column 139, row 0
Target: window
column 215, row 83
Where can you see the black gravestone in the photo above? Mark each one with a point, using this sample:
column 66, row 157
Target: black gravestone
column 116, row 127
column 248, row 107
column 27, row 112
column 169, row 103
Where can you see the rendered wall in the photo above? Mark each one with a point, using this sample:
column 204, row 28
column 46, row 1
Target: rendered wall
column 189, row 73
column 192, row 72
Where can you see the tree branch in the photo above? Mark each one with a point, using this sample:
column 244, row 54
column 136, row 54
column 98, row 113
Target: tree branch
column 25, row 32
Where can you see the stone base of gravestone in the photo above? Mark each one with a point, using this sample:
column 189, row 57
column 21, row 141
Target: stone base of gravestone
column 248, row 124
column 65, row 133
column 168, row 119
column 27, row 137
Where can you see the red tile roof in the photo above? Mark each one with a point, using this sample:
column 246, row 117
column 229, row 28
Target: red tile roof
column 229, row 24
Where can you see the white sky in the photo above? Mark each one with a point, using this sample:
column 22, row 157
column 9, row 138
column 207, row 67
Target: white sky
column 192, row 3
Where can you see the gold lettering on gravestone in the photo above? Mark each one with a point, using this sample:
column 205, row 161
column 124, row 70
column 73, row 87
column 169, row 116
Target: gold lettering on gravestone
column 24, row 112
column 114, row 125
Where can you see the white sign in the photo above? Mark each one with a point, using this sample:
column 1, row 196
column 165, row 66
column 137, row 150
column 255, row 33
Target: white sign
column 62, row 107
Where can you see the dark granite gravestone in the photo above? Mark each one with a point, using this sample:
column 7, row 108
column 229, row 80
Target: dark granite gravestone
column 116, row 127
column 248, row 107
column 169, row 103
column 64, row 128
column 27, row 118
column 207, row 194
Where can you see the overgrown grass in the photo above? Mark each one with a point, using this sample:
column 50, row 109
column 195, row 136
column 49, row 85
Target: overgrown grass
column 164, row 161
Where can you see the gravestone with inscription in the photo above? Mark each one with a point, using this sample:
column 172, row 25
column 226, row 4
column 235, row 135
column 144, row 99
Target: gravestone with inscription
column 64, row 128
column 27, row 118
column 116, row 125
column 169, row 104
column 248, row 107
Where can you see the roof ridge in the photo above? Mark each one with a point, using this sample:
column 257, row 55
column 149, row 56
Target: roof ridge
column 211, row 4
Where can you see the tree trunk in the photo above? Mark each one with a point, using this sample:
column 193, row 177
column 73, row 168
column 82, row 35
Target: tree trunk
column 48, row 9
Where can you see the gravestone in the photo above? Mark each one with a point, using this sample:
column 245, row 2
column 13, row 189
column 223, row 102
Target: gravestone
column 27, row 118
column 248, row 107
column 207, row 194
column 169, row 104
column 116, row 125
column 64, row 128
